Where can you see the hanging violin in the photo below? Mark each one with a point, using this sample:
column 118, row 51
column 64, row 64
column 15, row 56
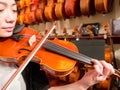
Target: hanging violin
column 60, row 9
column 49, row 11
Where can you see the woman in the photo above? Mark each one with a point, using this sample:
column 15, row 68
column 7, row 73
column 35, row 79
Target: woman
column 8, row 17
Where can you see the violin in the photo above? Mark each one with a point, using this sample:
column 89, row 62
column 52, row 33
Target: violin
column 21, row 17
column 21, row 4
column 27, row 16
column 60, row 9
column 87, row 7
column 72, row 8
column 33, row 8
column 103, row 6
column 49, row 11
column 40, row 11
column 27, row 9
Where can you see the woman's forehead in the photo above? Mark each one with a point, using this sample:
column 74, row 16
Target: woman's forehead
column 8, row 1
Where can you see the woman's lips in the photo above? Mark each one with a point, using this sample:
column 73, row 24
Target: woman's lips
column 8, row 29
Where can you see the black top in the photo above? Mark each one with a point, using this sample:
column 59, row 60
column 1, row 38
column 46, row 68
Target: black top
column 35, row 78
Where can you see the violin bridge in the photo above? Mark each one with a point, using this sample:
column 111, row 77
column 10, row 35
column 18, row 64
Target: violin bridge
column 32, row 40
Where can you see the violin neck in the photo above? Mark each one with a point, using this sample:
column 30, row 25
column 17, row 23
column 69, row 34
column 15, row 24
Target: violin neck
column 66, row 52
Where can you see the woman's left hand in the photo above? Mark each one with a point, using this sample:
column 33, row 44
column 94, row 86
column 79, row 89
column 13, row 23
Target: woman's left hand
column 101, row 71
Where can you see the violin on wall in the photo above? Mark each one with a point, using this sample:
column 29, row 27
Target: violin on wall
column 33, row 7
column 72, row 8
column 21, row 11
column 36, row 11
column 87, row 7
column 49, row 10
column 21, row 4
column 103, row 6
column 40, row 11
column 27, row 11
column 60, row 9
column 21, row 17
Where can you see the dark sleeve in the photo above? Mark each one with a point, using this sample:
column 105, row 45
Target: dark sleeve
column 35, row 78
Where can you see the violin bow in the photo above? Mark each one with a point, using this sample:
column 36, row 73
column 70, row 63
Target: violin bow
column 28, row 59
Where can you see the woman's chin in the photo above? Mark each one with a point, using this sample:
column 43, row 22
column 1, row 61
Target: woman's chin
column 6, row 35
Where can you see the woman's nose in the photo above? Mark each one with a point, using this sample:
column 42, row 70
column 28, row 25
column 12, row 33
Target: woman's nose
column 10, row 17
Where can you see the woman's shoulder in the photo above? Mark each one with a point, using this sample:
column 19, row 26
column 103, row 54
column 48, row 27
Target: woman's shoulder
column 18, row 28
column 24, row 30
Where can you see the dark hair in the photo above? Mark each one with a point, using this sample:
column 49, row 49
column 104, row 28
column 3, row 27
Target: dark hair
column 16, row 1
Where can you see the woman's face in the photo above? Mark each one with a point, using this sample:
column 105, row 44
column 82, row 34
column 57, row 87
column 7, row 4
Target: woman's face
column 8, row 17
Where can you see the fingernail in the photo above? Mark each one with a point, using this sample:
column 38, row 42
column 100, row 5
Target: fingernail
column 101, row 74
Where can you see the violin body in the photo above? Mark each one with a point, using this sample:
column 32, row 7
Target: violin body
column 21, row 4
column 72, row 8
column 40, row 11
column 103, row 6
column 60, row 9
column 49, row 10
column 21, row 17
column 27, row 10
column 87, row 7
column 105, row 85
column 63, row 65
column 33, row 13
column 27, row 17
column 11, row 48
column 99, row 5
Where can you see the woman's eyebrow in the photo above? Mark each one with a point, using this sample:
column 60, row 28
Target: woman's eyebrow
column 6, row 4
column 14, row 4
column 2, row 3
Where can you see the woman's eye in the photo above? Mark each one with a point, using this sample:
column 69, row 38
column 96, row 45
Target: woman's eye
column 14, row 10
column 1, row 10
